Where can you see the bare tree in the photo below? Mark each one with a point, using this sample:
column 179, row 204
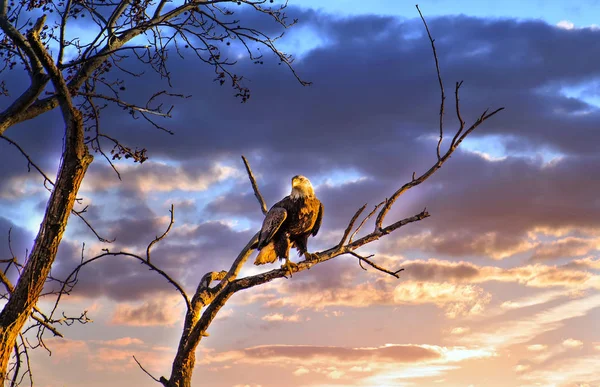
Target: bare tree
column 81, row 77
column 215, row 288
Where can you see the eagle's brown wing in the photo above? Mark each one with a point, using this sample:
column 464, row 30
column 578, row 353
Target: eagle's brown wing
column 271, row 224
column 317, row 225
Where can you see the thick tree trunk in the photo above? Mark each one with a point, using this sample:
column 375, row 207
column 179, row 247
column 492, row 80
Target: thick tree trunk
column 75, row 162
column 183, row 367
column 183, row 364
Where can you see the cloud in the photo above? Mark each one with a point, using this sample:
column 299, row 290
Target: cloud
column 66, row 349
column 318, row 355
column 584, row 263
column 569, row 247
column 365, row 365
column 155, row 312
column 532, row 275
column 572, row 343
column 155, row 177
column 122, row 342
column 281, row 317
column 107, row 355
column 301, row 371
column 457, row 300
column 459, row 330
column 515, row 331
column 536, row 347
column 565, row 24
column 570, row 371
column 225, row 314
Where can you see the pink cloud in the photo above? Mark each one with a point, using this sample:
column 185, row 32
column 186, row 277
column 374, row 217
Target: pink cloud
column 155, row 312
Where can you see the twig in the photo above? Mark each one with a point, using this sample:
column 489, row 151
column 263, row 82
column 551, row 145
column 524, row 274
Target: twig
column 143, row 369
column 47, row 326
column 30, row 162
column 13, row 382
column 261, row 201
column 437, row 68
column 372, row 264
column 108, row 253
column 164, row 234
column 458, row 115
column 146, row 261
column 458, row 138
column 45, row 322
column 101, row 239
column 364, row 221
column 350, row 225
column 26, row 352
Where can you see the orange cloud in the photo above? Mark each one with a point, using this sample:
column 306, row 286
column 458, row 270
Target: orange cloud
column 506, row 333
column 281, row 317
column 122, row 342
column 573, row 371
column 66, row 349
column 572, row 343
column 564, row 248
column 456, row 299
column 536, row 347
column 348, row 363
column 154, row 176
column 310, row 354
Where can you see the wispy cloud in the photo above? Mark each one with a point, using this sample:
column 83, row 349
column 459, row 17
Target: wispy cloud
column 154, row 312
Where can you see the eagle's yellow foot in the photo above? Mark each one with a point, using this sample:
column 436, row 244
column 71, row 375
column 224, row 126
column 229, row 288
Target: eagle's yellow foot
column 289, row 266
column 310, row 256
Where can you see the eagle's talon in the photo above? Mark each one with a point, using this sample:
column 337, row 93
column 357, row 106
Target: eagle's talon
column 310, row 256
column 289, row 267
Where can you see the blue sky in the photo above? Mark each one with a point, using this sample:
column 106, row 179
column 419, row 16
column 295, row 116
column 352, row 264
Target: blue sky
column 582, row 13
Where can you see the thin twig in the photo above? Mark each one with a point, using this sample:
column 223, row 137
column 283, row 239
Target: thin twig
column 351, row 225
column 458, row 115
column 372, row 264
column 437, row 69
column 164, row 234
column 364, row 221
column 101, row 239
column 261, row 201
column 26, row 352
column 13, row 382
column 29, row 160
column 143, row 369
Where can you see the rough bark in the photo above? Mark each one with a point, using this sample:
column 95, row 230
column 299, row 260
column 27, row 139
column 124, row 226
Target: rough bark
column 30, row 285
column 75, row 161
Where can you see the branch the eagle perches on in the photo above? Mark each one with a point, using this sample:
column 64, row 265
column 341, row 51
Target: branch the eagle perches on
column 203, row 306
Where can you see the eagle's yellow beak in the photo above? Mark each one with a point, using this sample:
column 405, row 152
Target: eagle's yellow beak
column 295, row 182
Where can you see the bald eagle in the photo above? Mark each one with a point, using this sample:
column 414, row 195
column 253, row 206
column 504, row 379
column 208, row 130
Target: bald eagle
column 289, row 223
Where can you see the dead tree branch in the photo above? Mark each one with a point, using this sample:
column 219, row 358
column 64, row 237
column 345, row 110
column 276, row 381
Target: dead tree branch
column 71, row 279
column 143, row 369
column 351, row 226
column 261, row 201
column 439, row 77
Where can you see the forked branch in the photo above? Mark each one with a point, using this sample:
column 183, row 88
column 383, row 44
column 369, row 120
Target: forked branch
column 458, row 137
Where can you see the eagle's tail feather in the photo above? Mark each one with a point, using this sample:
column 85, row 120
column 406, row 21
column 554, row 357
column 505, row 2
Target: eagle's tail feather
column 266, row 255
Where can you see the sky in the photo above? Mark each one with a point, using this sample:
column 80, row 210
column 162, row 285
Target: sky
column 500, row 285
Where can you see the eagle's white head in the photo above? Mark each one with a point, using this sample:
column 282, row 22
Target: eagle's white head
column 301, row 187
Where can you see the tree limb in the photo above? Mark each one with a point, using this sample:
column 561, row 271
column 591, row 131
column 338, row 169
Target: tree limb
column 261, row 201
